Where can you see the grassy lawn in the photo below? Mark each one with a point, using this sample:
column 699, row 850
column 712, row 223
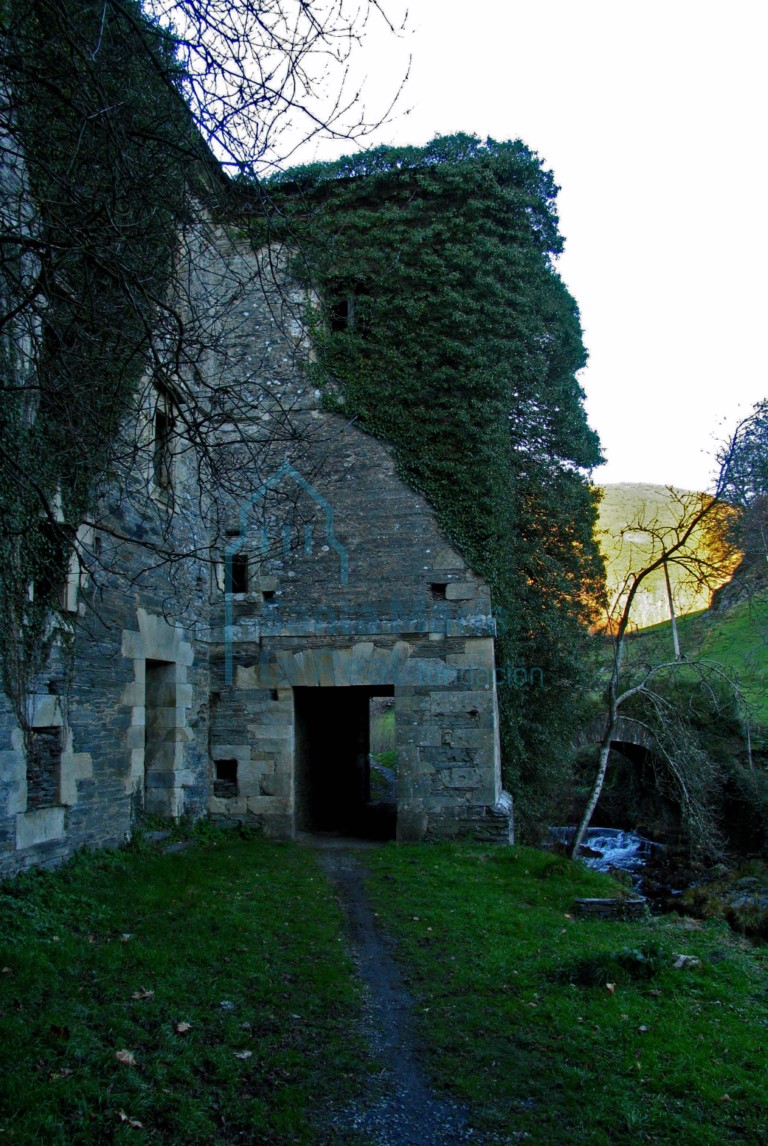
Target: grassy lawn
column 560, row 1030
column 238, row 938
column 221, row 971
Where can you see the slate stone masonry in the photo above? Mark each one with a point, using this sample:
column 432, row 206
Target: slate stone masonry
column 186, row 701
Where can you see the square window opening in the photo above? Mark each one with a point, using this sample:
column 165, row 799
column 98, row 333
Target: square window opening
column 225, row 779
column 437, row 590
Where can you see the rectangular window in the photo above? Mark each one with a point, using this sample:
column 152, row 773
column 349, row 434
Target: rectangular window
column 44, row 768
column 236, row 571
column 225, row 779
column 162, row 457
column 341, row 314
column 50, row 582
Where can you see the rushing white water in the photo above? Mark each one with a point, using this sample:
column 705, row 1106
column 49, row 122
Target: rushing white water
column 615, row 848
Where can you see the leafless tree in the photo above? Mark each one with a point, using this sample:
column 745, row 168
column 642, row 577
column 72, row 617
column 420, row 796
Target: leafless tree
column 678, row 545
column 126, row 271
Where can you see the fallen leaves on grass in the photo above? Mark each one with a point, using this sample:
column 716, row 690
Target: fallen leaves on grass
column 244, row 1054
column 134, row 1122
column 125, row 1057
column 182, row 1028
column 142, row 993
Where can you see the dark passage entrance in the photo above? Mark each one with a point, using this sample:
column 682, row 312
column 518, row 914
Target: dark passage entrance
column 159, row 737
column 333, row 774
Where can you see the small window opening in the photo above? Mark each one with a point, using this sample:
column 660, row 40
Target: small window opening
column 163, row 453
column 273, row 694
column 236, row 573
column 437, row 589
column 43, row 768
column 50, row 583
column 225, row 780
column 341, row 314
column 268, row 594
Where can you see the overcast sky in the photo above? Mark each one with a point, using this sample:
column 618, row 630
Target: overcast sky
column 653, row 118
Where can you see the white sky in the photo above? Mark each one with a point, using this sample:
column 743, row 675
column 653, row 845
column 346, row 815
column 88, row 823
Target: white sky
column 652, row 116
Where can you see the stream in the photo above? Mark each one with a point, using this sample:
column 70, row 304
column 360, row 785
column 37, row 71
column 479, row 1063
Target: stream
column 611, row 849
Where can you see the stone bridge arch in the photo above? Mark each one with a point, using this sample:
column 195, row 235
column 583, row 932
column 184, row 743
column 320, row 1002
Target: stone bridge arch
column 628, row 731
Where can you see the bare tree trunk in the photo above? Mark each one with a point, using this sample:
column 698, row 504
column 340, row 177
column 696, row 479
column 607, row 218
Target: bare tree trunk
column 672, row 617
column 605, row 751
column 691, row 518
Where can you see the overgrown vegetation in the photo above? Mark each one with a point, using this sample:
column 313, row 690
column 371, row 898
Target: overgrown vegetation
column 107, row 190
column 730, row 726
column 92, row 186
column 445, row 329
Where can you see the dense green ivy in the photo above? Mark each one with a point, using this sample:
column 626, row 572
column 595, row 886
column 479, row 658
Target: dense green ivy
column 446, row 330
column 92, row 186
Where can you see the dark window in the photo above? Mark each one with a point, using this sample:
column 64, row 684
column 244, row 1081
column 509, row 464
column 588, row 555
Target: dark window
column 50, row 582
column 43, row 768
column 341, row 315
column 437, row 589
column 163, row 453
column 236, row 573
column 225, row 780
column 268, row 594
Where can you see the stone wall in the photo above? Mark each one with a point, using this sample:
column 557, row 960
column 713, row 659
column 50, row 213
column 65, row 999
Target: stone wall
column 189, row 697
column 349, row 585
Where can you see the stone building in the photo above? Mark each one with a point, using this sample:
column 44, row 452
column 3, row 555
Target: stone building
column 238, row 683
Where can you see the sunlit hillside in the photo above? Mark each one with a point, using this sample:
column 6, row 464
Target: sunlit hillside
column 627, row 512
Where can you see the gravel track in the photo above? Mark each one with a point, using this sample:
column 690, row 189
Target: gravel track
column 404, row 1111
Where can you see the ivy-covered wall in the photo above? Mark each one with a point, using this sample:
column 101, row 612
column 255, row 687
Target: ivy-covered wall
column 93, row 146
column 445, row 330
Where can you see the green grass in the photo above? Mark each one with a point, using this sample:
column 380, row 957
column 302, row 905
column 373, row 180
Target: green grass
column 512, row 996
column 240, row 938
column 740, row 643
column 737, row 640
column 383, row 732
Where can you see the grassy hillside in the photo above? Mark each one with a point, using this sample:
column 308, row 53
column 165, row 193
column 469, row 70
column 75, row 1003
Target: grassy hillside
column 736, row 639
column 627, row 548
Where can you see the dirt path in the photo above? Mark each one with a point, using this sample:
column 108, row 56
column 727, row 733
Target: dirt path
column 405, row 1111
